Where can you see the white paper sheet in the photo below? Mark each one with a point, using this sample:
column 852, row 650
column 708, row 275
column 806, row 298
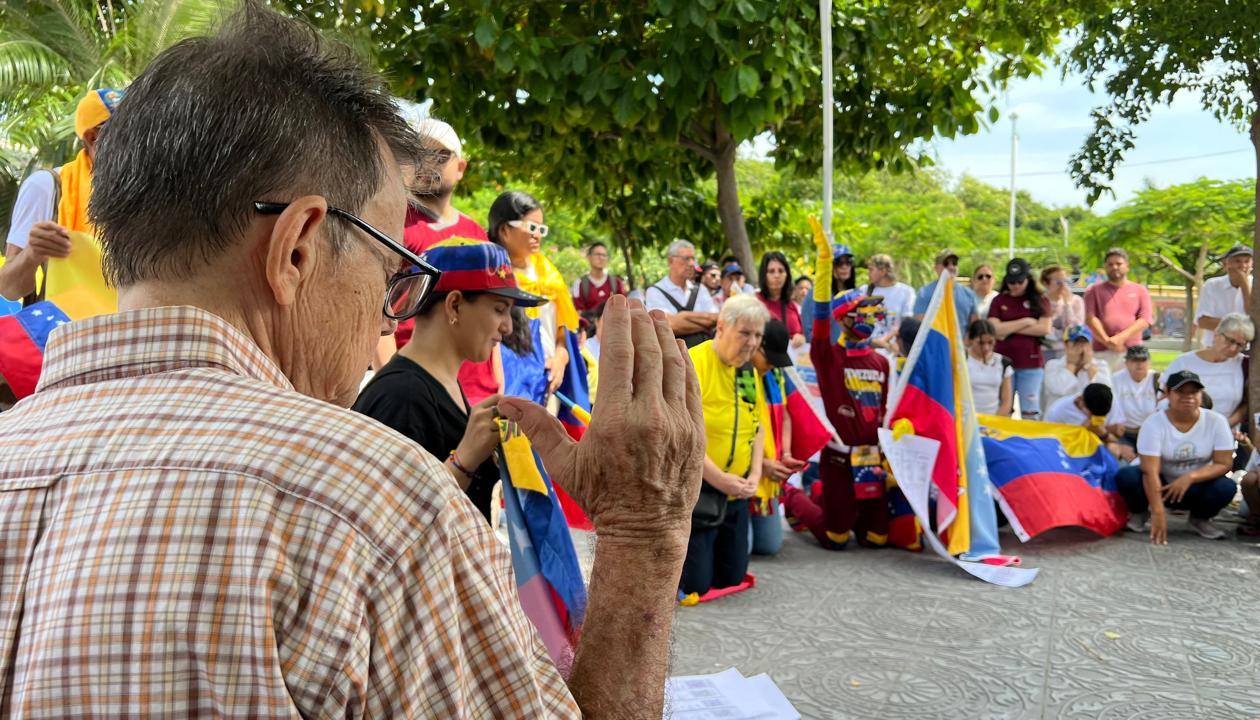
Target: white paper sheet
column 727, row 695
column 911, row 459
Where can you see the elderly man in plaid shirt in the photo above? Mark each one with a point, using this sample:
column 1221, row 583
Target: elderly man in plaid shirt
column 191, row 523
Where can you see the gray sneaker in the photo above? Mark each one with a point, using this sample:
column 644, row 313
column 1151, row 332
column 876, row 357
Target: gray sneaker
column 1206, row 529
column 1137, row 521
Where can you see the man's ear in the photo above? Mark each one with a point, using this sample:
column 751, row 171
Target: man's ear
column 290, row 249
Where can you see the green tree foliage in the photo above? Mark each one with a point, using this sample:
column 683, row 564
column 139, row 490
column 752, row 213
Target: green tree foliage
column 52, row 52
column 1177, row 233
column 639, row 96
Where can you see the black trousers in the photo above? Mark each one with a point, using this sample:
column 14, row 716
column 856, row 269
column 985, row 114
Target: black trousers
column 718, row 557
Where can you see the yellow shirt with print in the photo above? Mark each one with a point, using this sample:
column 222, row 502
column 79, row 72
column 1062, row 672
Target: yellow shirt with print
column 727, row 413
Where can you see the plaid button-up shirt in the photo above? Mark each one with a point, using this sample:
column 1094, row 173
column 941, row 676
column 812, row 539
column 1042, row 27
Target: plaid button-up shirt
column 182, row 534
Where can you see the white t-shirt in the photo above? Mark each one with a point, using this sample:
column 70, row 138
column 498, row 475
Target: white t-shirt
column 982, row 304
column 898, row 304
column 1217, row 299
column 1222, row 380
column 34, row 204
column 1182, row 452
column 655, row 299
column 1135, row 399
column 1065, row 411
column 986, row 382
column 1059, row 382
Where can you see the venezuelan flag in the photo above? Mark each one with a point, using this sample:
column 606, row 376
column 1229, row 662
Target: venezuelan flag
column 548, row 576
column 574, row 413
column 23, row 336
column 1050, row 475
column 928, row 396
column 811, row 431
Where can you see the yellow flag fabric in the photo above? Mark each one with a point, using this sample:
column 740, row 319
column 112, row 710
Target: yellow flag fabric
column 549, row 283
column 519, row 455
column 946, row 323
column 76, row 188
column 76, row 284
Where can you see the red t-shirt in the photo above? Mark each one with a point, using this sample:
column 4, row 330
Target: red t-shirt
column 1024, row 350
column 596, row 294
column 420, row 235
column 793, row 319
column 854, row 387
column 1118, row 308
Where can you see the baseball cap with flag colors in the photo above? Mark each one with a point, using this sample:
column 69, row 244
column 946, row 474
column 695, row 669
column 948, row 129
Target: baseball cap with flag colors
column 477, row 265
column 95, row 108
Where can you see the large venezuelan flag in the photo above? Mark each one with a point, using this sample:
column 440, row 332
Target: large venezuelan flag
column 928, row 395
column 548, row 576
column 1050, row 475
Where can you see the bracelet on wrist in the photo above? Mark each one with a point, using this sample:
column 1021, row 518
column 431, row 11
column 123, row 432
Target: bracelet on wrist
column 453, row 459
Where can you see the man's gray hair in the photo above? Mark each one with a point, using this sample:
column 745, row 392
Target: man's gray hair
column 265, row 110
column 743, row 308
column 1237, row 323
column 677, row 245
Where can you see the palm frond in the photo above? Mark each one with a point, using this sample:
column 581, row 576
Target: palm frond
column 27, row 63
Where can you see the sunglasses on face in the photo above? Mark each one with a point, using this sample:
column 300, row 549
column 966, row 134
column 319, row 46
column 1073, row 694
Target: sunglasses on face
column 407, row 289
column 845, row 261
column 530, row 227
column 982, row 277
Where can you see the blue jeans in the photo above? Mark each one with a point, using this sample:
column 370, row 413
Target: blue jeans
column 1026, row 384
column 766, row 532
column 1204, row 500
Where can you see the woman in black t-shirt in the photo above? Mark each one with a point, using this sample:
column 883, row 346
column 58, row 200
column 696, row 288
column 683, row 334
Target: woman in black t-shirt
column 417, row 392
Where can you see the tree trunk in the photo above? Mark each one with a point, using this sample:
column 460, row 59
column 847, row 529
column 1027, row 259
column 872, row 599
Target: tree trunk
column 1253, row 383
column 1200, row 266
column 730, row 213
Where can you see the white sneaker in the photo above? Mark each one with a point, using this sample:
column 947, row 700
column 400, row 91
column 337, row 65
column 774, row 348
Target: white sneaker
column 1137, row 521
column 1206, row 529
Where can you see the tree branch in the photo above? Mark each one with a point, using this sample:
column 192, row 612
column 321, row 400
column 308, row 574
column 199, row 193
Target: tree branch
column 702, row 150
column 1175, row 266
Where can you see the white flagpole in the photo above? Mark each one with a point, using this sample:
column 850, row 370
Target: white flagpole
column 828, row 99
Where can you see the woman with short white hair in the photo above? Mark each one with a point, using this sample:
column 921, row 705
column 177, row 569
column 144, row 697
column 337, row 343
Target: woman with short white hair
column 730, row 390
column 1220, row 366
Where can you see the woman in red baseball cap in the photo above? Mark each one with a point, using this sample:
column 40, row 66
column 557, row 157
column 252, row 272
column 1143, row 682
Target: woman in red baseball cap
column 417, row 392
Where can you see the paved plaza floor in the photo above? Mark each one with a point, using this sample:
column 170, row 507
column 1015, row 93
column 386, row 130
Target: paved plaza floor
column 1113, row 628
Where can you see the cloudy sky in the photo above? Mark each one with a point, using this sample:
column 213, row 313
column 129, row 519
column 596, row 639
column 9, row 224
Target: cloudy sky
column 1053, row 122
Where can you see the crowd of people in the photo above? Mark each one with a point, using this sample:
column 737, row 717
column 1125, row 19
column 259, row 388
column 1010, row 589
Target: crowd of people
column 211, row 470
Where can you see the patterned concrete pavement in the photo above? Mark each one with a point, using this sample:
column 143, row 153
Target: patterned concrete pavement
column 1113, row 629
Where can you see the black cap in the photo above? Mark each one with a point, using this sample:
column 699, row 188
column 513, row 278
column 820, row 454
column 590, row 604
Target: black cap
column 1237, row 250
column 1184, row 377
column 1017, row 269
column 774, row 344
column 1137, row 352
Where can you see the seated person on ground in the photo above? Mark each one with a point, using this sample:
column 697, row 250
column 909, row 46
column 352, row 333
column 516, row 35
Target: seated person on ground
column 1186, row 456
column 1093, row 409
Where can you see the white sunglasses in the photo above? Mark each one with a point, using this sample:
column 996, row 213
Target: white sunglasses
column 530, row 227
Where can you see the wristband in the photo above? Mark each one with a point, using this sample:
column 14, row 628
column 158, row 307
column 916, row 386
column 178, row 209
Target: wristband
column 455, row 463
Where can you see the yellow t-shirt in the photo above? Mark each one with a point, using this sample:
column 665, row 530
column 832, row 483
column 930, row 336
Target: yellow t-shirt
column 731, row 421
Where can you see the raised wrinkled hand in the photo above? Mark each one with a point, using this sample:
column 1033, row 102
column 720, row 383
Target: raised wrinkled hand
column 636, row 471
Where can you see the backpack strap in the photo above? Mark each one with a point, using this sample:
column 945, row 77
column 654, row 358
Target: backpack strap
column 691, row 299
column 672, row 301
column 584, row 289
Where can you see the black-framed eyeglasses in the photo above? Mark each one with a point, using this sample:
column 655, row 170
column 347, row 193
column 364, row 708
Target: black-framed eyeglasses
column 407, row 290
